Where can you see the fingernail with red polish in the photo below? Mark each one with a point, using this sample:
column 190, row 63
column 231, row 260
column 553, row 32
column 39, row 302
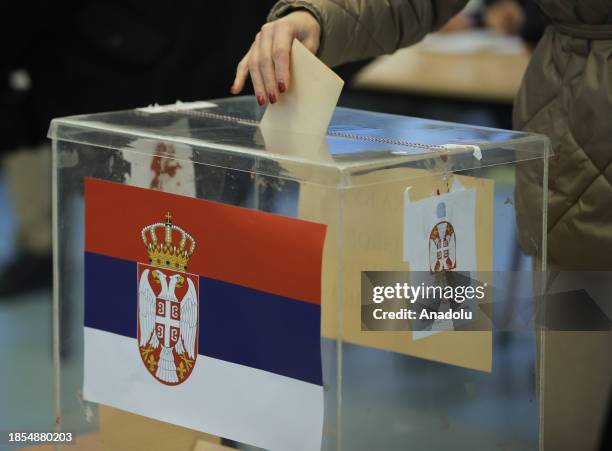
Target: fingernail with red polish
column 281, row 86
column 261, row 100
column 272, row 98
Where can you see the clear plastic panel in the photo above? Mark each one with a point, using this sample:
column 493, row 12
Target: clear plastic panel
column 225, row 134
column 382, row 390
column 102, row 426
column 460, row 390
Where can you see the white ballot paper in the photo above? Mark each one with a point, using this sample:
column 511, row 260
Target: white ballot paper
column 308, row 105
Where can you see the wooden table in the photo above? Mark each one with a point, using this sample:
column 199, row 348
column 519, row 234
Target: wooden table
column 477, row 66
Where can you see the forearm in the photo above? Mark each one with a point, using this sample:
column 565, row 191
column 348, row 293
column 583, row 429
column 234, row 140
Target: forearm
column 358, row 29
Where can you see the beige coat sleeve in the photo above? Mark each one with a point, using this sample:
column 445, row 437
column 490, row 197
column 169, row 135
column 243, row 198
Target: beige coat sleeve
column 358, row 29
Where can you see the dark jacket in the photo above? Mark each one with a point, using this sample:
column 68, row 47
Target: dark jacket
column 99, row 55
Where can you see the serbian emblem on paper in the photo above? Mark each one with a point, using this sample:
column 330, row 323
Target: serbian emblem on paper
column 168, row 303
column 442, row 247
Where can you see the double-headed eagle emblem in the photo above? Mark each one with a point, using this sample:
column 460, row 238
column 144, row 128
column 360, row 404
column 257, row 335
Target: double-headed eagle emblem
column 442, row 243
column 442, row 247
column 167, row 303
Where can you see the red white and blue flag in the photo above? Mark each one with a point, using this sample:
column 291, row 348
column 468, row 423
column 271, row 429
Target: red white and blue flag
column 204, row 315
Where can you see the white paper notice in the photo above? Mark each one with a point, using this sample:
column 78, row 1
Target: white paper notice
column 439, row 235
column 308, row 105
column 439, row 232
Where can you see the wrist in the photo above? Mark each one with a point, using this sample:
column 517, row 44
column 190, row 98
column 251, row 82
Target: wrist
column 286, row 7
column 312, row 9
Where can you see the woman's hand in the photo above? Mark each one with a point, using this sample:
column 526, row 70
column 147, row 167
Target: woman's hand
column 268, row 58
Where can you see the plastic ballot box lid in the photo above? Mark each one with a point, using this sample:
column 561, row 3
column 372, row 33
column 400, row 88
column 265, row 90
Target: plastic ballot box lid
column 358, row 144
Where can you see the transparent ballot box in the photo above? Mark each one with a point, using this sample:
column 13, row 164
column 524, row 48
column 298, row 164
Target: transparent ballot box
column 380, row 202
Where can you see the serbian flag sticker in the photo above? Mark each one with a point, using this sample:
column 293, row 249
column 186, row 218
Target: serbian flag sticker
column 204, row 315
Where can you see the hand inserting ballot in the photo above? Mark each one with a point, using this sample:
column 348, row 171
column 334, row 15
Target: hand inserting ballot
column 267, row 61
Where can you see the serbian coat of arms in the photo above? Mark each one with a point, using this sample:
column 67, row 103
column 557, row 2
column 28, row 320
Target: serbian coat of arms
column 168, row 303
column 442, row 243
column 442, row 247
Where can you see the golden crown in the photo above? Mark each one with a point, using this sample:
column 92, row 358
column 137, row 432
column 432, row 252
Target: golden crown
column 165, row 253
